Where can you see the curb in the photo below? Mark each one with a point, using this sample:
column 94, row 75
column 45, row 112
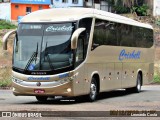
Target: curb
column 154, row 84
column 5, row 88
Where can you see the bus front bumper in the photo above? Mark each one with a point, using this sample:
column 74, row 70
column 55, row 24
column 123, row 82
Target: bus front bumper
column 31, row 89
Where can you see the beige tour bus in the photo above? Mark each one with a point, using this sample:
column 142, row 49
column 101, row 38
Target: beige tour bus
column 80, row 51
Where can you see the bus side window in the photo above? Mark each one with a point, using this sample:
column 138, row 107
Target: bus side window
column 99, row 35
column 80, row 51
column 104, row 33
column 127, row 36
column 86, row 23
column 83, row 40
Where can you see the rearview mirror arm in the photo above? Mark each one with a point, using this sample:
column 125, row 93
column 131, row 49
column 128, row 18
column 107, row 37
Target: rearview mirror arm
column 75, row 36
column 5, row 38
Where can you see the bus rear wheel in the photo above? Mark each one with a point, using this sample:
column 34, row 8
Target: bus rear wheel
column 137, row 89
column 93, row 90
column 41, row 98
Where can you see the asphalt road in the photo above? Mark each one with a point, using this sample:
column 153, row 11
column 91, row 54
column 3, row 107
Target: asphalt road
column 147, row 100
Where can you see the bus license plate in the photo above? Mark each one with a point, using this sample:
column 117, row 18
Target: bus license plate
column 39, row 91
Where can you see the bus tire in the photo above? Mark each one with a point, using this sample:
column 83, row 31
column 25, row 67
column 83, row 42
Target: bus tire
column 41, row 98
column 93, row 90
column 138, row 86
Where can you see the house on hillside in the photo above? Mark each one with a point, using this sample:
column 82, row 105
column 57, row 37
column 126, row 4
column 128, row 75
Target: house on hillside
column 156, row 8
column 67, row 3
column 98, row 4
column 20, row 8
column 5, row 8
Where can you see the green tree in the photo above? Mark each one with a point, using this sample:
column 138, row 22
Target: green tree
column 129, row 6
column 125, row 3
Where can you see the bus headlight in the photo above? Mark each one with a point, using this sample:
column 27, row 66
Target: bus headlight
column 64, row 81
column 16, row 80
column 13, row 89
column 69, row 90
column 69, row 79
column 74, row 76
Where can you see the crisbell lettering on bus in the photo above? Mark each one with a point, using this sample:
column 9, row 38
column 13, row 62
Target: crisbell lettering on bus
column 59, row 28
column 129, row 55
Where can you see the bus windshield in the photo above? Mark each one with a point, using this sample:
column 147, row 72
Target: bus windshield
column 43, row 46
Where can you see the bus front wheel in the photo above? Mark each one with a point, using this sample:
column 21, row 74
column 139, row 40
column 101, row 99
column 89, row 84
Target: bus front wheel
column 93, row 90
column 41, row 98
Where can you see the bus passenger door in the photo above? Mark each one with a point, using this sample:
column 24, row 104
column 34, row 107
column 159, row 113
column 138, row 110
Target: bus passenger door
column 78, row 83
column 80, row 56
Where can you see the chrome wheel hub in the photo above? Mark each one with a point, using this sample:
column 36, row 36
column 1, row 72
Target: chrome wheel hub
column 138, row 85
column 93, row 90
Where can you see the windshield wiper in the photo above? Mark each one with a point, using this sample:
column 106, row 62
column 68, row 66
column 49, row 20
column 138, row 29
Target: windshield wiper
column 33, row 57
column 48, row 58
column 16, row 48
column 36, row 54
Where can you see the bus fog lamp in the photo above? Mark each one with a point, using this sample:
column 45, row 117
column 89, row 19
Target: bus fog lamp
column 13, row 89
column 17, row 80
column 69, row 90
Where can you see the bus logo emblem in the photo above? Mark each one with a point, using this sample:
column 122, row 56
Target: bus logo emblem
column 129, row 55
column 38, row 84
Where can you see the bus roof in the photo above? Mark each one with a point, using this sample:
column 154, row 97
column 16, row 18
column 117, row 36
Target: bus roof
column 73, row 14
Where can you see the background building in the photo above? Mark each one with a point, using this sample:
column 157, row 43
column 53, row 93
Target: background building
column 21, row 8
column 5, row 8
column 18, row 8
column 156, row 8
column 5, row 13
column 98, row 4
column 4, row 1
column 67, row 3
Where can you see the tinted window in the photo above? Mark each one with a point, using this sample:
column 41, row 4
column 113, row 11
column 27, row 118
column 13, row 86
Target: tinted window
column 117, row 34
column 83, row 40
column 143, row 37
column 86, row 23
column 105, row 33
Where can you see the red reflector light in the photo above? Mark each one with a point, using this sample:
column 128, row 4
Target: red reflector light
column 39, row 91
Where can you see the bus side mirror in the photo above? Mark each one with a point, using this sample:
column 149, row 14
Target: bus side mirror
column 5, row 38
column 75, row 36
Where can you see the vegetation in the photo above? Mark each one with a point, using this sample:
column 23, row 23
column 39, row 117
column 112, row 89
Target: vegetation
column 129, row 6
column 6, row 25
column 5, row 83
column 5, row 77
column 141, row 10
column 0, row 43
column 5, row 60
column 119, row 7
column 158, row 22
column 156, row 78
column 125, row 3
